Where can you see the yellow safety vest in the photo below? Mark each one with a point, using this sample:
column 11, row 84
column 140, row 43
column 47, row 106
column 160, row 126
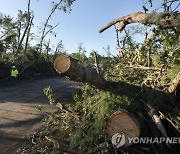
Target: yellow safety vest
column 14, row 73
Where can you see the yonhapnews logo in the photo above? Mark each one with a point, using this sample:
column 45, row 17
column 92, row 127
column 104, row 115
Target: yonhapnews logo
column 119, row 140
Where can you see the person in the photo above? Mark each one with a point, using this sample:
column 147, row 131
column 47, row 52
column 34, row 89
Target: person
column 14, row 73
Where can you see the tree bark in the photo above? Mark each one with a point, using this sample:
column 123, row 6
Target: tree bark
column 70, row 67
column 175, row 85
column 20, row 40
column 156, row 119
column 28, row 34
column 96, row 63
column 161, row 19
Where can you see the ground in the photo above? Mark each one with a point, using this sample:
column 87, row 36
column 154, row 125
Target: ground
column 19, row 118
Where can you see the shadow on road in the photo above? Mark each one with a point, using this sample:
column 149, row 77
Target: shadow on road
column 18, row 114
column 33, row 92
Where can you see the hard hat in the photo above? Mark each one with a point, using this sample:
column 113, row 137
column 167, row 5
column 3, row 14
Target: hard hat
column 13, row 66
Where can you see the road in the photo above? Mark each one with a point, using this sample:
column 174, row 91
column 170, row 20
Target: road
column 19, row 117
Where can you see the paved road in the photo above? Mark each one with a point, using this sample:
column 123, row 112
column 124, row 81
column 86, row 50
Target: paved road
column 18, row 115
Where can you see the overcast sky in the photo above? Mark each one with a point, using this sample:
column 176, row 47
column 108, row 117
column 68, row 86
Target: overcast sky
column 83, row 23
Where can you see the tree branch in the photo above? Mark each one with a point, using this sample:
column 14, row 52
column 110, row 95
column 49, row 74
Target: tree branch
column 161, row 19
column 175, row 84
column 143, row 67
column 44, row 33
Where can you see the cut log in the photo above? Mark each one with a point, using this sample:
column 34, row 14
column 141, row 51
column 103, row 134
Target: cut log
column 123, row 122
column 162, row 19
column 70, row 67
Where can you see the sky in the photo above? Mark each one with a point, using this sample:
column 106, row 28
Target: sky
column 82, row 24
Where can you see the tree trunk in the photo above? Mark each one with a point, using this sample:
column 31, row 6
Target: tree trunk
column 47, row 49
column 165, row 20
column 71, row 68
column 123, row 123
column 19, row 32
column 20, row 41
column 28, row 34
column 74, row 71
column 96, row 63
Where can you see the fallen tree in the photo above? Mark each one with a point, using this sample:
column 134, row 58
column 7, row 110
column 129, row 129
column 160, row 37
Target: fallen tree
column 76, row 72
column 165, row 20
column 104, row 108
column 70, row 67
column 67, row 66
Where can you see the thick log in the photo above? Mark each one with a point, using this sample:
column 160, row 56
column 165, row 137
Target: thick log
column 70, row 67
column 161, row 19
column 122, row 127
column 123, row 123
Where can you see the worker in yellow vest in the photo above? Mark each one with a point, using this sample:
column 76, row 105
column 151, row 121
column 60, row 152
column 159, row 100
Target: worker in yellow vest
column 14, row 74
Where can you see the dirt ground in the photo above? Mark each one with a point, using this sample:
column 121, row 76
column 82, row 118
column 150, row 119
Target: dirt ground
column 19, row 118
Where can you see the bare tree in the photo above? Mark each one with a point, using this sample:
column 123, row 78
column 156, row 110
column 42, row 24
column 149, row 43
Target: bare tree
column 61, row 5
column 44, row 32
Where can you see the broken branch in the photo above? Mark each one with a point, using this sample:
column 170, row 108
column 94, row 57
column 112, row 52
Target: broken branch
column 165, row 20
